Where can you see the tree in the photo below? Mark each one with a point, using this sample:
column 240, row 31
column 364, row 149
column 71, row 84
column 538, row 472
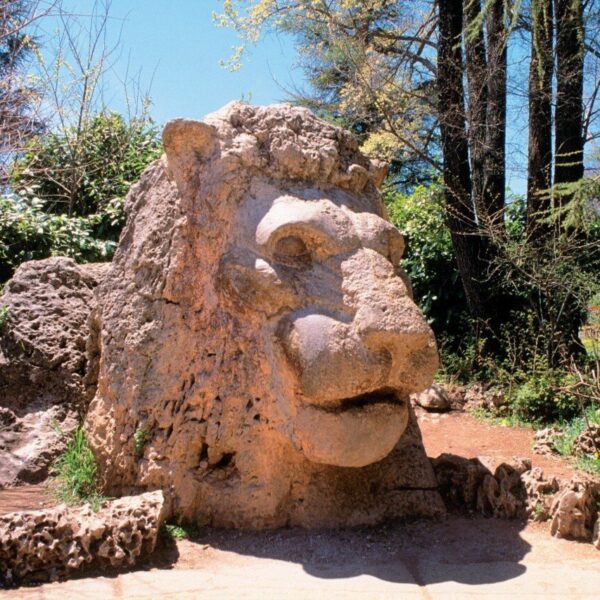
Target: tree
column 539, row 169
column 568, row 142
column 18, row 119
column 374, row 62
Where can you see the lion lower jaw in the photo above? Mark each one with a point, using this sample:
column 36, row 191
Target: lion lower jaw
column 354, row 437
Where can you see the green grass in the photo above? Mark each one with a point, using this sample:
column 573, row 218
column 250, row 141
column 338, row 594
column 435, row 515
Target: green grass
column 589, row 464
column 570, row 431
column 139, row 439
column 507, row 420
column 75, row 474
column 182, row 531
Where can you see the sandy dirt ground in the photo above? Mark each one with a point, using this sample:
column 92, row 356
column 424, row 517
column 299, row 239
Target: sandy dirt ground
column 459, row 557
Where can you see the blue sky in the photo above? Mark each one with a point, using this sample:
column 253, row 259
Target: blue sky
column 178, row 48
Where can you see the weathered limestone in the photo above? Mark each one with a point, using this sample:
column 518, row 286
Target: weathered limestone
column 42, row 363
column 575, row 510
column 257, row 339
column 433, row 399
column 50, row 544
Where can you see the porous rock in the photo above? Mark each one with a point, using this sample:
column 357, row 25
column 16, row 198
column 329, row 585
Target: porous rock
column 575, row 511
column 42, row 363
column 53, row 543
column 502, row 493
column 257, row 341
column 543, row 441
column 504, row 490
column 588, row 441
column 540, row 492
column 433, row 399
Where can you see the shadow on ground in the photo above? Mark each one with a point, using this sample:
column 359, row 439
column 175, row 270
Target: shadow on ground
column 469, row 550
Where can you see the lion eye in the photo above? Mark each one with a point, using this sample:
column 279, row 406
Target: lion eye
column 292, row 250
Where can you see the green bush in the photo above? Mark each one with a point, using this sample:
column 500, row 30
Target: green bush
column 541, row 397
column 429, row 260
column 69, row 191
column 82, row 170
column 75, row 473
column 29, row 233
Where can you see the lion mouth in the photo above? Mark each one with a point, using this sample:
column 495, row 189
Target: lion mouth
column 380, row 396
column 355, row 431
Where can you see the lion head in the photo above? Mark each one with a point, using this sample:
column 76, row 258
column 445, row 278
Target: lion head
column 256, row 339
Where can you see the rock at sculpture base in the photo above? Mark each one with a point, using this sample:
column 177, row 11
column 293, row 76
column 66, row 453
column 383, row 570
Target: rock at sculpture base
column 42, row 363
column 433, row 399
column 575, row 510
column 257, row 341
column 51, row 544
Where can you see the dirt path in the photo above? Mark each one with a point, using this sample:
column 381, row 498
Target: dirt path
column 25, row 497
column 462, row 434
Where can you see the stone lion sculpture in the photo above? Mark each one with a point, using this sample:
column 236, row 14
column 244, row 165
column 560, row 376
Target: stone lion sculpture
column 255, row 341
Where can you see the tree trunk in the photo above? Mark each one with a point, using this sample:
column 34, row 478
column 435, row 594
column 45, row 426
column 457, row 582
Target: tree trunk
column 476, row 67
column 568, row 153
column 495, row 167
column 568, row 132
column 540, row 118
column 461, row 217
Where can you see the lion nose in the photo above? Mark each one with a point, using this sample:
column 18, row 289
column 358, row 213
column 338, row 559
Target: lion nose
column 392, row 323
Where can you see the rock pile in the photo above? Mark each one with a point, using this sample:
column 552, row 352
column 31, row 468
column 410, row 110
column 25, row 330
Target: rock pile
column 51, row 544
column 516, row 490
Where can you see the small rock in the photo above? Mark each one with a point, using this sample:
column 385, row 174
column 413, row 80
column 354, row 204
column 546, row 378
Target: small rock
column 544, row 440
column 434, row 399
column 574, row 511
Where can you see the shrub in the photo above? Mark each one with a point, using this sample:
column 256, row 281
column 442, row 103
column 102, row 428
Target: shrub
column 541, row 397
column 29, row 233
column 69, row 191
column 81, row 170
column 429, row 260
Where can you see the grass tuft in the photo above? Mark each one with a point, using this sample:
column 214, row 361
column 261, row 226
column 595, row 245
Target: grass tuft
column 75, row 474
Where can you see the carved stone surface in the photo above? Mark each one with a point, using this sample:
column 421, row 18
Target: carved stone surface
column 50, row 544
column 42, row 362
column 257, row 339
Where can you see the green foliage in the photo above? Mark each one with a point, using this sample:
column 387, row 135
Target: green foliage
column 75, row 473
column 429, row 258
column 70, row 191
column 81, row 171
column 4, row 316
column 540, row 397
column 564, row 442
column 29, row 233
column 181, row 531
column 139, row 439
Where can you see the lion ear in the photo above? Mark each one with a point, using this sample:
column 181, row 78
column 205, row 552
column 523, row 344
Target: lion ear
column 378, row 170
column 186, row 143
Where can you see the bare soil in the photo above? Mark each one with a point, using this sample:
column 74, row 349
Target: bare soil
column 462, row 434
